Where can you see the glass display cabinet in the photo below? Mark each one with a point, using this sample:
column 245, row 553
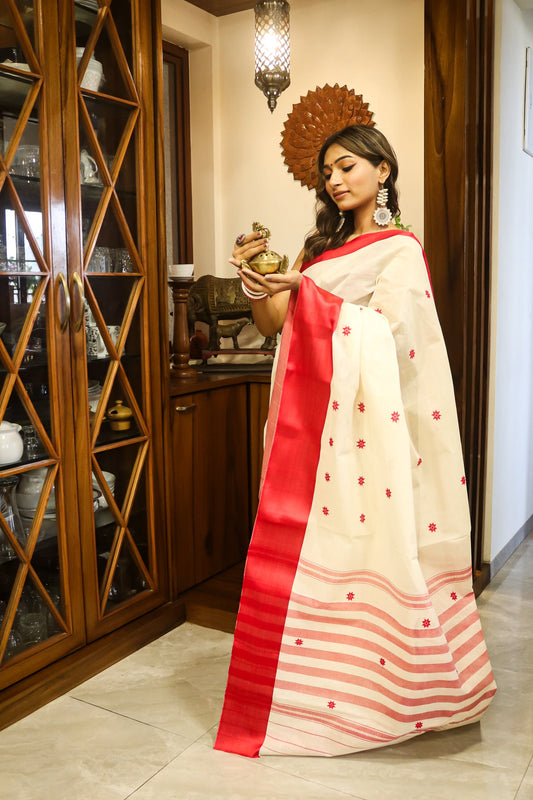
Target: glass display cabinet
column 81, row 487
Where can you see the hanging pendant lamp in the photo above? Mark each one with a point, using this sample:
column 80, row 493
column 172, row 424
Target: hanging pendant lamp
column 272, row 48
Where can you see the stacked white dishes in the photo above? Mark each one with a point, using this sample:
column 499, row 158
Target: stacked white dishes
column 94, row 392
column 28, row 493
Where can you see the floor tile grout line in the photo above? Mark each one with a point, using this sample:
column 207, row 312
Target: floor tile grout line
column 524, row 777
column 309, row 781
column 164, row 766
column 134, row 719
column 260, row 764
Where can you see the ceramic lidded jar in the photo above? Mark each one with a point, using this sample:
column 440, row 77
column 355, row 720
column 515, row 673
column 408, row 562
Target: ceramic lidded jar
column 11, row 443
column 119, row 416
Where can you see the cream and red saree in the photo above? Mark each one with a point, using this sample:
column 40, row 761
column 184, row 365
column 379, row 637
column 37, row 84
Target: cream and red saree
column 357, row 626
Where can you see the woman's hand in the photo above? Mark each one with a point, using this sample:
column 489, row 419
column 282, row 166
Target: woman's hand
column 247, row 247
column 270, row 312
column 273, row 283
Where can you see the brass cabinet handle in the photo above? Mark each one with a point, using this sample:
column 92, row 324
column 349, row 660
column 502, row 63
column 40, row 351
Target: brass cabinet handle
column 182, row 409
column 61, row 285
column 78, row 284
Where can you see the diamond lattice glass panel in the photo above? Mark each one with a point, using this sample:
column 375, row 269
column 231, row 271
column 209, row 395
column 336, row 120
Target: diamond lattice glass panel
column 29, row 407
column 14, row 89
column 28, row 400
column 45, row 561
column 30, row 627
column 113, row 335
column 128, row 578
column 104, row 69
column 8, row 570
column 16, row 252
column 121, row 16
column 116, row 466
column 85, row 15
column 115, row 298
column 121, row 420
column 138, row 521
column 20, row 294
column 127, row 189
column 11, row 45
column 115, row 61
column 11, row 524
column 111, row 253
column 106, row 532
column 111, row 122
column 30, row 488
column 116, row 474
column 131, row 360
column 104, row 489
column 91, row 197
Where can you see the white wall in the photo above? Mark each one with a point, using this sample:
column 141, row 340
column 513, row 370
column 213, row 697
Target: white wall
column 510, row 455
column 238, row 175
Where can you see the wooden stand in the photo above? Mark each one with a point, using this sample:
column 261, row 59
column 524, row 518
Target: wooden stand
column 180, row 342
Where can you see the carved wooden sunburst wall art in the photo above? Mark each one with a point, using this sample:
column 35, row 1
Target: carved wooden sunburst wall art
column 319, row 114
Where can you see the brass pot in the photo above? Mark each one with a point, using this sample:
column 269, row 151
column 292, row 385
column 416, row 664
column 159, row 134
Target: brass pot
column 119, row 416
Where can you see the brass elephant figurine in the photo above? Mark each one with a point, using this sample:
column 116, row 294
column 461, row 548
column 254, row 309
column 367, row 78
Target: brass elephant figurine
column 212, row 299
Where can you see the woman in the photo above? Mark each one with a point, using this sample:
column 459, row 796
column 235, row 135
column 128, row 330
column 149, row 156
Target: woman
column 357, row 626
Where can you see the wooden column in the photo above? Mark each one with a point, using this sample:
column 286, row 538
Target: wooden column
column 180, row 342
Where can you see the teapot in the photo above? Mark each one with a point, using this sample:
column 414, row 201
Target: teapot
column 88, row 168
column 11, row 443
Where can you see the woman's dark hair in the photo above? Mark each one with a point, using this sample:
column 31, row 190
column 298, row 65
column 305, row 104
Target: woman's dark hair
column 368, row 143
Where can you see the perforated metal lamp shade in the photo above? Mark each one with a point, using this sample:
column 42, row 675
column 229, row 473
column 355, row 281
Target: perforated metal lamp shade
column 272, row 48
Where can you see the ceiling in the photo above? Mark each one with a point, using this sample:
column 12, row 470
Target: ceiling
column 221, row 7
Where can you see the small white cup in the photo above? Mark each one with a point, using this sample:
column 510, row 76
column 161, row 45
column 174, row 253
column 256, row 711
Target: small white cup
column 181, row 270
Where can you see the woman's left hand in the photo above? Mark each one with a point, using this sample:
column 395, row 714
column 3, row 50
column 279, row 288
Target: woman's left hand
column 274, row 282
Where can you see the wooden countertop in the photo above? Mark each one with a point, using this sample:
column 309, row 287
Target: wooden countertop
column 214, row 379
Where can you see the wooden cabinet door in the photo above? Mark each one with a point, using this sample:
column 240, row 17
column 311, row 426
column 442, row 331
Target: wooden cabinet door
column 82, row 534
column 211, row 486
column 41, row 602
column 108, row 93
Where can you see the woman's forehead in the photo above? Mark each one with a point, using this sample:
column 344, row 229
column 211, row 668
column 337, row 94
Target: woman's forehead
column 335, row 153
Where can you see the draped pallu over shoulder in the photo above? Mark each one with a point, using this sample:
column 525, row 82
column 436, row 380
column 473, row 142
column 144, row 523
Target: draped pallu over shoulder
column 358, row 625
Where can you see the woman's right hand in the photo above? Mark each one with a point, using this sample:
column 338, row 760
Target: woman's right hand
column 251, row 245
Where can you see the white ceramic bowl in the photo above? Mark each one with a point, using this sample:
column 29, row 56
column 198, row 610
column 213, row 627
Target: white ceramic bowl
column 181, row 270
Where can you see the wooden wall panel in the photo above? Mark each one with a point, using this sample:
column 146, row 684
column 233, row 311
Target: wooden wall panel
column 458, row 152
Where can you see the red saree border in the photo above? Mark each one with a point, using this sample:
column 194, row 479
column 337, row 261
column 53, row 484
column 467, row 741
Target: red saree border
column 365, row 240
column 277, row 386
column 281, row 522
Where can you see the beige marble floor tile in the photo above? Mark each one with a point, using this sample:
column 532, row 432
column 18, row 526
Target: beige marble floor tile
column 382, row 775
column 425, row 761
column 69, row 750
column 176, row 683
column 144, row 729
column 202, row 774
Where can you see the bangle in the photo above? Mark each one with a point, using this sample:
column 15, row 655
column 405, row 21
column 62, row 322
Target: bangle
column 251, row 294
